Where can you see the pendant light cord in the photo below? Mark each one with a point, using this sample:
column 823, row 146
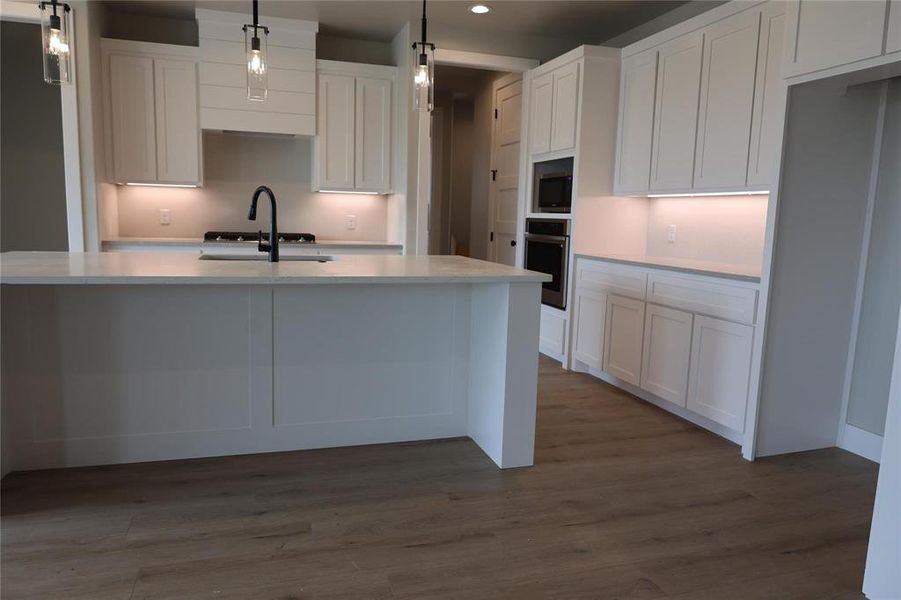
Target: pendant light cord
column 256, row 17
column 424, row 24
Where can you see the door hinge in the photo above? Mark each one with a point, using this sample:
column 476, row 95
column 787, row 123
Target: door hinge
column 493, row 174
column 495, row 113
column 491, row 237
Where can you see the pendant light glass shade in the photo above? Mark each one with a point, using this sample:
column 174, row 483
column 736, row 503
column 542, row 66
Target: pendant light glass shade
column 423, row 76
column 55, row 29
column 255, row 44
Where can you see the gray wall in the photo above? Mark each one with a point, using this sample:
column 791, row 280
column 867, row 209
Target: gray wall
column 875, row 349
column 829, row 143
column 32, row 179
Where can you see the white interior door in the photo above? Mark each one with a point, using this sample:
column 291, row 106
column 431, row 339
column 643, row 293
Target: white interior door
column 503, row 194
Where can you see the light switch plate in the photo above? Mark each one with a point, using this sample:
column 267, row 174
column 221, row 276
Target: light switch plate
column 671, row 234
column 350, row 221
column 165, row 216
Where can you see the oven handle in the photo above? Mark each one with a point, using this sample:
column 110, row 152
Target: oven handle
column 562, row 239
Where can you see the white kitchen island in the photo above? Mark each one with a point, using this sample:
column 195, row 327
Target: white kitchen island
column 125, row 357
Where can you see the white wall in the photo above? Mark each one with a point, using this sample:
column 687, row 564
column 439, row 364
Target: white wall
column 234, row 165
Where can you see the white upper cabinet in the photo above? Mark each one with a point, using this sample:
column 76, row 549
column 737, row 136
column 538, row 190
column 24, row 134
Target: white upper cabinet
column 667, row 347
column 132, row 118
column 335, row 141
column 177, row 125
column 676, row 113
column 893, row 40
column 726, row 105
column 720, row 368
column 824, row 34
column 769, row 99
column 373, row 135
column 638, row 82
column 540, row 115
column 352, row 150
column 623, row 338
column 565, row 107
column 150, row 93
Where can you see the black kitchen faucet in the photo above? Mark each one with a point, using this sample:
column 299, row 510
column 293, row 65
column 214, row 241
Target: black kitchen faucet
column 272, row 245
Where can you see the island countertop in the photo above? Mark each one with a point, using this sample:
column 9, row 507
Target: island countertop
column 109, row 268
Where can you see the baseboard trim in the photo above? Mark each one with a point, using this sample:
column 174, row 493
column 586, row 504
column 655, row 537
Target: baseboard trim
column 861, row 442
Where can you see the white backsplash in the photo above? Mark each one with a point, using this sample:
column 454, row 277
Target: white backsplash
column 727, row 229
column 234, row 165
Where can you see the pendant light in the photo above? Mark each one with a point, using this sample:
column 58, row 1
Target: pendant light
column 55, row 27
column 423, row 70
column 256, row 47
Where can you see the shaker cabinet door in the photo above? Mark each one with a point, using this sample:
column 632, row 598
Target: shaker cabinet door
column 335, row 154
column 540, row 114
column 623, row 338
column 667, row 348
column 769, row 99
column 676, row 113
column 829, row 34
column 177, row 123
column 133, row 118
column 588, row 345
column 373, row 135
column 727, row 99
column 720, row 368
column 565, row 107
column 638, row 82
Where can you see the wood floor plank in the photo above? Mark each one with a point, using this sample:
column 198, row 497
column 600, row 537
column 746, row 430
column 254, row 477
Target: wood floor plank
column 624, row 501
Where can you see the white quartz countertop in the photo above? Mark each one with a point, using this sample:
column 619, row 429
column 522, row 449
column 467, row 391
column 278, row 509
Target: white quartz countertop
column 115, row 268
column 151, row 242
column 685, row 265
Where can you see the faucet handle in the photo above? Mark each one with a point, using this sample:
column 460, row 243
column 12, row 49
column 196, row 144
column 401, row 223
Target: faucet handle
column 262, row 246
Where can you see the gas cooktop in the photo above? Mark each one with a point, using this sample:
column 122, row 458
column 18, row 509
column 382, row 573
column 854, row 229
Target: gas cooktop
column 252, row 236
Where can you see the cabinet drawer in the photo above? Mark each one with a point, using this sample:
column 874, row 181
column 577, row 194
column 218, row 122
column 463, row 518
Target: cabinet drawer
column 617, row 279
column 731, row 302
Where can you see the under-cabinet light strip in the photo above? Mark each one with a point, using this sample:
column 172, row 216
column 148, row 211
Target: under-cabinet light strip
column 172, row 185
column 690, row 195
column 347, row 192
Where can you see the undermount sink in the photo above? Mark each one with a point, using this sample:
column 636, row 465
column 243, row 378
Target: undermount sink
column 264, row 257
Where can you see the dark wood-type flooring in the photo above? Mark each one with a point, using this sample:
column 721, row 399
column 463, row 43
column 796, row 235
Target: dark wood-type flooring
column 625, row 501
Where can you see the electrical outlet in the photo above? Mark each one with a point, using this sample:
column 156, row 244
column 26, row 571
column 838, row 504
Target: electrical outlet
column 671, row 234
column 165, row 216
column 350, row 221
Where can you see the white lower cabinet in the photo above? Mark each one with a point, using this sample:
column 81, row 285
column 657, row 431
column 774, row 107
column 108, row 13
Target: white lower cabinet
column 588, row 341
column 624, row 326
column 720, row 368
column 552, row 332
column 667, row 348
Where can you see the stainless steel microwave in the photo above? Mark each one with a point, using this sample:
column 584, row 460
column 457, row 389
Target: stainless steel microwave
column 555, row 191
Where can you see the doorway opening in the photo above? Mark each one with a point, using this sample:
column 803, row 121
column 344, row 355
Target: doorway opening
column 475, row 136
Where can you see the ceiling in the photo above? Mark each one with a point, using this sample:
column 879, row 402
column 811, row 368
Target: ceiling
column 581, row 21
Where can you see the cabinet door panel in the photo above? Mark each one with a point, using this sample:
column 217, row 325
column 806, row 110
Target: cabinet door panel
column 336, row 132
column 676, row 113
column 540, row 113
column 177, row 124
column 623, row 338
column 373, row 135
column 720, row 367
column 636, row 122
column 829, row 34
column 893, row 42
column 588, row 346
column 565, row 107
column 133, row 128
column 769, row 99
column 667, row 349
column 726, row 105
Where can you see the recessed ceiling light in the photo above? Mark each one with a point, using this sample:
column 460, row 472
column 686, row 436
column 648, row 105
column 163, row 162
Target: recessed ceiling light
column 479, row 9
